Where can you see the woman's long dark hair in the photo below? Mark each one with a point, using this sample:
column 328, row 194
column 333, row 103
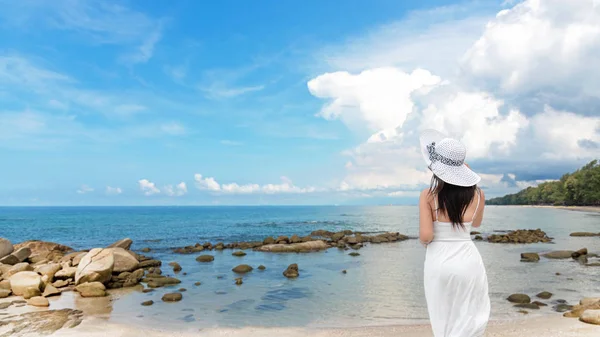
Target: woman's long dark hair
column 453, row 200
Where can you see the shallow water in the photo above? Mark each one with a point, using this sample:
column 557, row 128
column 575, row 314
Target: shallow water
column 382, row 286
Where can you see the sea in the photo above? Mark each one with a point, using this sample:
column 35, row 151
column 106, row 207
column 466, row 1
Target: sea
column 382, row 286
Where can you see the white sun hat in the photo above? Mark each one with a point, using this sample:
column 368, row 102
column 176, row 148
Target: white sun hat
column 445, row 157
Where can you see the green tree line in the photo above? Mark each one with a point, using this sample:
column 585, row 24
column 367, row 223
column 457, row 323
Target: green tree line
column 580, row 188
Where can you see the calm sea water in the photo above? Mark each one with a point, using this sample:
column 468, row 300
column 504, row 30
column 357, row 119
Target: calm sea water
column 382, row 286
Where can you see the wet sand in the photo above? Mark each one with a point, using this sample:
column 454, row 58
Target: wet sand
column 549, row 326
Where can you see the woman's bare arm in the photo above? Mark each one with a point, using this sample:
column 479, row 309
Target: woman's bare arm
column 425, row 218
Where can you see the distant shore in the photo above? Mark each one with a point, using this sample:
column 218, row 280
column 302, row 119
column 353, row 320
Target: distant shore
column 593, row 209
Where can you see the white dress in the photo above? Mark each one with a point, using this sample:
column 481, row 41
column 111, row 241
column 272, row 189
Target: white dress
column 456, row 286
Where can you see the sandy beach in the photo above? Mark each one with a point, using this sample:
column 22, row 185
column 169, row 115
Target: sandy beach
column 550, row 326
column 592, row 209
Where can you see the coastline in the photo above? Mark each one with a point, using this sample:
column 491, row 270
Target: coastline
column 589, row 209
column 546, row 326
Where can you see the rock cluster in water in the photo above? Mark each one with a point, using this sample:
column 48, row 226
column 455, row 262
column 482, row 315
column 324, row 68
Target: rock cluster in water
column 520, row 236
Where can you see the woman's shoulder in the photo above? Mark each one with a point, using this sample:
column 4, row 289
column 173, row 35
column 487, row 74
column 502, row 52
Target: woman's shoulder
column 426, row 195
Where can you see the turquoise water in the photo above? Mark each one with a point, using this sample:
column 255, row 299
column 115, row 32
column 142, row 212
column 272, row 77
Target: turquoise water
column 382, row 286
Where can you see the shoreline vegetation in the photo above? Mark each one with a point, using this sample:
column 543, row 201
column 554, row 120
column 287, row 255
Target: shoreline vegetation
column 35, row 276
column 580, row 188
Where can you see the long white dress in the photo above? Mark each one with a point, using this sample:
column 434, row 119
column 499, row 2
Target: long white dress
column 456, row 285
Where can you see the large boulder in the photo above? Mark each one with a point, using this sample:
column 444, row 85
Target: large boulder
column 96, row 266
column 5, row 247
column 48, row 270
column 124, row 260
column 73, row 258
column 91, row 289
column 591, row 317
column 23, row 280
column 66, row 273
column 22, row 253
column 19, row 267
column 42, row 250
column 295, row 247
column 124, row 243
column 9, row 260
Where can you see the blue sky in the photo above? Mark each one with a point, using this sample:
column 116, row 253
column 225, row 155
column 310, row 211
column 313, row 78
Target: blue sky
column 139, row 102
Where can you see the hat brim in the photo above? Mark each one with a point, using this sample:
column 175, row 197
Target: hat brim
column 455, row 175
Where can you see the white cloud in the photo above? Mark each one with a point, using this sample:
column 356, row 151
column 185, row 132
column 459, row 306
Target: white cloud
column 208, row 183
column 147, row 187
column 113, row 190
column 177, row 190
column 220, row 91
column 378, row 99
column 231, row 142
column 84, row 189
column 286, row 186
column 539, row 46
column 173, row 128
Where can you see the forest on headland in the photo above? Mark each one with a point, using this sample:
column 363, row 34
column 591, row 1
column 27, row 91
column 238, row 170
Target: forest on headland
column 580, row 188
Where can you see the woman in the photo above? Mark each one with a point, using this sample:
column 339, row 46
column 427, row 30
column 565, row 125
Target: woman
column 455, row 281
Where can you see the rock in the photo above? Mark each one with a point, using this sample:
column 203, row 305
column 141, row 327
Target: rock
column 295, row 239
column 149, row 264
column 261, row 267
column 197, row 284
column 582, row 259
column 146, row 250
column 591, row 317
column 147, row 303
column 269, row 241
column 338, row 236
column 161, row 282
column 291, row 271
column 38, row 301
column 242, row 269
column 530, row 257
column 559, row 254
column 520, row 236
column 480, row 238
column 145, row 291
column 562, row 307
column 172, row 297
column 475, row 233
column 19, row 267
column 527, row 306
column 589, row 301
column 595, row 264
column 91, row 289
column 238, row 281
column 176, row 267
column 545, row 295
column 5, row 284
column 31, row 292
column 205, row 258
column 48, row 270
column 524, row 312
column 9, row 260
column 189, row 249
column 352, row 240
column 96, row 266
column 220, row 246
column 50, row 290
column 578, row 253
column 4, row 293
column 66, row 273
column 295, row 247
column 354, row 254
column 238, row 253
column 182, row 290
column 70, row 257
column 6, row 248
column 23, row 280
column 539, row 304
column 60, row 283
column 123, row 260
column 322, row 233
column 585, row 234
column 123, row 243
column 341, row 245
column 133, row 278
column 519, row 298
column 43, row 250
column 22, row 253
column 578, row 310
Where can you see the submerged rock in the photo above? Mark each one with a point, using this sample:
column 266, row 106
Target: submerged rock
column 530, row 257
column 147, row 303
column 291, row 271
column 205, row 258
column 559, row 254
column 242, row 269
column 239, row 253
column 519, row 298
column 527, row 306
column 584, row 234
column 172, row 297
column 176, row 267
column 261, row 267
column 91, row 289
column 545, row 295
